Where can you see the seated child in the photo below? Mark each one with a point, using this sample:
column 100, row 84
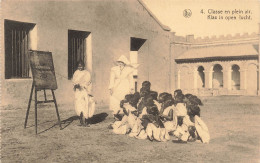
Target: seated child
column 193, row 109
column 192, row 103
column 147, row 116
column 141, row 104
column 152, row 115
column 118, row 116
column 152, row 123
column 200, row 130
column 129, row 108
column 183, row 121
column 166, row 112
column 190, row 126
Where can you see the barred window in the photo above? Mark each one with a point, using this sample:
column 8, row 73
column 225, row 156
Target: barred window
column 16, row 49
column 76, row 49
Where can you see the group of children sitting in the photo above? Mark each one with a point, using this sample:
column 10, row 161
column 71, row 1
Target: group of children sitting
column 147, row 115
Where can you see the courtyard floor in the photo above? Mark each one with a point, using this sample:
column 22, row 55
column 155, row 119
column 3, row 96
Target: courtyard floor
column 233, row 122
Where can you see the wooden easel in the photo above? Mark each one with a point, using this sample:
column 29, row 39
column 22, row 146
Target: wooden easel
column 43, row 79
column 39, row 102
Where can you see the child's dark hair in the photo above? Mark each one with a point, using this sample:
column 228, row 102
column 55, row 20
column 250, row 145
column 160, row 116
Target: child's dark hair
column 169, row 99
column 179, row 98
column 178, row 91
column 195, row 100
column 193, row 110
column 146, row 84
column 134, row 100
column 188, row 95
column 163, row 97
column 128, row 97
column 80, row 62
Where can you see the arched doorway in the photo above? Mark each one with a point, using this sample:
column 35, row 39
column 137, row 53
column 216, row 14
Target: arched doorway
column 252, row 78
column 201, row 77
column 217, row 80
column 184, row 78
column 235, row 78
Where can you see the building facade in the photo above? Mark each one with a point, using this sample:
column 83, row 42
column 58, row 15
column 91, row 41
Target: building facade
column 227, row 65
column 97, row 32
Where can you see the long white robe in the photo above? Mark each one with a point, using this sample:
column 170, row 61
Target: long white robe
column 127, row 122
column 182, row 132
column 157, row 133
column 202, row 129
column 83, row 101
column 121, row 82
column 180, row 109
column 161, row 134
column 170, row 125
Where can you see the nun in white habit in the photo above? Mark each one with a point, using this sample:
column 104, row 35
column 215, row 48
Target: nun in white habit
column 121, row 83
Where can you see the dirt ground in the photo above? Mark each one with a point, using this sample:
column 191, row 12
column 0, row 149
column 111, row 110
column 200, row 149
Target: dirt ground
column 233, row 122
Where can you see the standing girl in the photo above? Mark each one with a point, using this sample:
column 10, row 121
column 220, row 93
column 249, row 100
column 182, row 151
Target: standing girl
column 84, row 102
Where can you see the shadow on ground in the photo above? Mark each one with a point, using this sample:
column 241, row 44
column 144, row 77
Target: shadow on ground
column 97, row 118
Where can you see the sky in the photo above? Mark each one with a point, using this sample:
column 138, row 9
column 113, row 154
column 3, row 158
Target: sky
column 170, row 13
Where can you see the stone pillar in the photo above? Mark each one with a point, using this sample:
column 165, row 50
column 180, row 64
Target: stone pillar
column 208, row 79
column 179, row 80
column 243, row 79
column 227, row 79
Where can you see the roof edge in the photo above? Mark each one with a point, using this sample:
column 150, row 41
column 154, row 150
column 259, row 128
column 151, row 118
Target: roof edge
column 182, row 60
column 164, row 27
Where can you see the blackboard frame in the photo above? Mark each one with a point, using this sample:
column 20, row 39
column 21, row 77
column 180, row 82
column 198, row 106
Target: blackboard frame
column 43, row 71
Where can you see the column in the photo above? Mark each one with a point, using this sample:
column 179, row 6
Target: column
column 243, row 79
column 227, row 79
column 208, row 79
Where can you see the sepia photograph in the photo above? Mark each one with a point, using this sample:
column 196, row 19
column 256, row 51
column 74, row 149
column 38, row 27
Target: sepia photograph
column 140, row 81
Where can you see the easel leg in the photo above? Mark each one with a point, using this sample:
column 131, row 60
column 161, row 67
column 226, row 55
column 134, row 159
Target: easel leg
column 28, row 108
column 56, row 106
column 45, row 95
column 35, row 111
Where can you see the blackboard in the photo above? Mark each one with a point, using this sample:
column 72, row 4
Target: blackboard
column 43, row 70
